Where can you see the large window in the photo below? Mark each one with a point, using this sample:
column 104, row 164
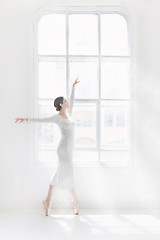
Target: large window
column 93, row 46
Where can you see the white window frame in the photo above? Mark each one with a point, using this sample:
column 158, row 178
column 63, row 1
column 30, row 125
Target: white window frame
column 66, row 10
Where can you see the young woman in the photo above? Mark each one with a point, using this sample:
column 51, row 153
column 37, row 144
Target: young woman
column 64, row 176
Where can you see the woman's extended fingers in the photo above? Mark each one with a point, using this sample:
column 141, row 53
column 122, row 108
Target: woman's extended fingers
column 16, row 120
column 76, row 81
column 19, row 119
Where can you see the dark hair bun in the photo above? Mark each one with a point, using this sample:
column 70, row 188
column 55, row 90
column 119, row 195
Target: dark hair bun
column 57, row 102
column 58, row 108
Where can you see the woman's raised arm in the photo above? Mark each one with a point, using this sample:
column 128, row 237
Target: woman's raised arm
column 71, row 99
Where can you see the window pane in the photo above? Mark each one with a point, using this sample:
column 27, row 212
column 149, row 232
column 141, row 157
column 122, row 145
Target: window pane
column 85, row 156
column 115, row 157
column 115, row 80
column 115, row 125
column 84, row 115
column 51, row 34
column 114, row 35
column 52, row 79
column 88, row 76
column 49, row 134
column 48, row 156
column 83, row 37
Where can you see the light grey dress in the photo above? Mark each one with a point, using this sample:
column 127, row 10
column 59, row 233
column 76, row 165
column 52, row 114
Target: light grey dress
column 64, row 175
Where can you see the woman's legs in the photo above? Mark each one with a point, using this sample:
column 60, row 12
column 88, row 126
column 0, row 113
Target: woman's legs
column 50, row 192
column 73, row 194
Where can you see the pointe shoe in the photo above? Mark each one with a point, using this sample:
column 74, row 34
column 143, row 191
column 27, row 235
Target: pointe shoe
column 47, row 208
column 75, row 206
column 47, row 202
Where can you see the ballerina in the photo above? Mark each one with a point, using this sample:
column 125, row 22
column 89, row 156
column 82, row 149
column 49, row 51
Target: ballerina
column 64, row 176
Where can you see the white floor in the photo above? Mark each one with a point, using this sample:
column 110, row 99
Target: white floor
column 96, row 224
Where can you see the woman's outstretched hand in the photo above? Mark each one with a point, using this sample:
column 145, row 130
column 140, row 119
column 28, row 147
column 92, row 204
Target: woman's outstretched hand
column 76, row 81
column 21, row 119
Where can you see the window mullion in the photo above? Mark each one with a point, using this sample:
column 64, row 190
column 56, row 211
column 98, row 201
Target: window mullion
column 67, row 54
column 99, row 101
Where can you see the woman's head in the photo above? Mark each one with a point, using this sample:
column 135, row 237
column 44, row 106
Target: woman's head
column 61, row 103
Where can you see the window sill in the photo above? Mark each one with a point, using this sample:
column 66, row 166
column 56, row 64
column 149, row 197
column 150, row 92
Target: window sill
column 85, row 164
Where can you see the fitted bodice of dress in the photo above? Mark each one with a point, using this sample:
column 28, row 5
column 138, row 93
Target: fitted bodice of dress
column 67, row 133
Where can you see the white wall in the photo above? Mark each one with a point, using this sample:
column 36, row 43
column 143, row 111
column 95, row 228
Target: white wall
column 24, row 186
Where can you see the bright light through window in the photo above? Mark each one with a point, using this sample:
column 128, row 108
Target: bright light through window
column 114, row 34
column 83, row 35
column 52, row 34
